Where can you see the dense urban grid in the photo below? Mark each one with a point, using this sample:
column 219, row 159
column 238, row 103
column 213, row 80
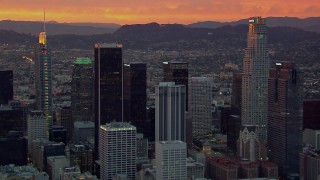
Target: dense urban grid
column 242, row 107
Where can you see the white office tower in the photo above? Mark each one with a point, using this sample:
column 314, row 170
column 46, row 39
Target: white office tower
column 170, row 112
column 255, row 78
column 200, row 99
column 118, row 151
column 37, row 127
column 171, row 160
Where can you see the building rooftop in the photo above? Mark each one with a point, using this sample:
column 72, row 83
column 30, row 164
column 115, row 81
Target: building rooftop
column 117, row 126
column 171, row 142
column 83, row 61
column 84, row 124
column 108, row 45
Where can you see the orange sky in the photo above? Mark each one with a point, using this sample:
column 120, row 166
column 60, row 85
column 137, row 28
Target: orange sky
column 161, row 11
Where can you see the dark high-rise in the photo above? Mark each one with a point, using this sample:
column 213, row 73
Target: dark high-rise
column 58, row 134
column 13, row 149
column 108, row 101
column 285, row 86
column 311, row 114
column 11, row 119
column 135, row 95
column 64, row 119
column 82, row 90
column 6, row 86
column 236, row 93
column 177, row 72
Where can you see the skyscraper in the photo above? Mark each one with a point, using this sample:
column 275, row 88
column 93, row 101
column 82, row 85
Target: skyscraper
column 177, row 72
column 37, row 127
column 171, row 160
column 255, row 77
column 44, row 77
column 170, row 112
column 6, row 86
column 118, row 150
column 82, row 90
column 108, row 101
column 135, row 95
column 285, row 86
column 200, row 99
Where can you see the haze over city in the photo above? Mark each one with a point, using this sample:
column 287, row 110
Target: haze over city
column 144, row 11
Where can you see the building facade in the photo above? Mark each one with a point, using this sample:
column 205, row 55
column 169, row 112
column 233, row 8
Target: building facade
column 170, row 112
column 200, row 99
column 82, row 90
column 311, row 114
column 254, row 105
column 6, row 86
column 37, row 127
column 44, row 77
column 285, row 86
column 177, row 72
column 118, row 150
column 135, row 95
column 171, row 160
column 108, row 83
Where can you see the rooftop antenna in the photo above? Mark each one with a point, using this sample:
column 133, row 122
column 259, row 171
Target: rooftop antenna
column 44, row 20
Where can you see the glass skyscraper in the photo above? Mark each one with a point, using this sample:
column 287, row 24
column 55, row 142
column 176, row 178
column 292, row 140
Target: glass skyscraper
column 254, row 107
column 170, row 112
column 108, row 82
column 135, row 95
column 255, row 76
column 177, row 72
column 82, row 90
column 44, row 76
column 6, row 86
column 285, row 86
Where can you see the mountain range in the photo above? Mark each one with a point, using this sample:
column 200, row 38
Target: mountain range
column 55, row 28
column 308, row 24
column 168, row 36
column 87, row 28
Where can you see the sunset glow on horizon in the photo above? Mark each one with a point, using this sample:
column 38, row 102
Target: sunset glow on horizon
column 145, row 11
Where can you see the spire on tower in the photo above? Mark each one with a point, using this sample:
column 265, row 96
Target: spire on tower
column 44, row 20
column 42, row 35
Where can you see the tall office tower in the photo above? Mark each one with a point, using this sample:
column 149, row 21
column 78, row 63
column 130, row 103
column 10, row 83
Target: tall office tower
column 236, row 94
column 255, row 80
column 13, row 149
column 82, row 90
column 108, row 101
column 200, row 99
column 6, row 86
column 311, row 114
column 135, row 95
column 149, row 132
column 118, row 150
column 171, row 160
column 177, row 72
column 170, row 112
column 37, row 127
column 44, row 77
column 64, row 118
column 285, row 86
column 11, row 119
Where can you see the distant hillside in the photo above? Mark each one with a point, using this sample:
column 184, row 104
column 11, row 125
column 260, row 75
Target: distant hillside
column 308, row 24
column 11, row 37
column 169, row 36
column 54, row 28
